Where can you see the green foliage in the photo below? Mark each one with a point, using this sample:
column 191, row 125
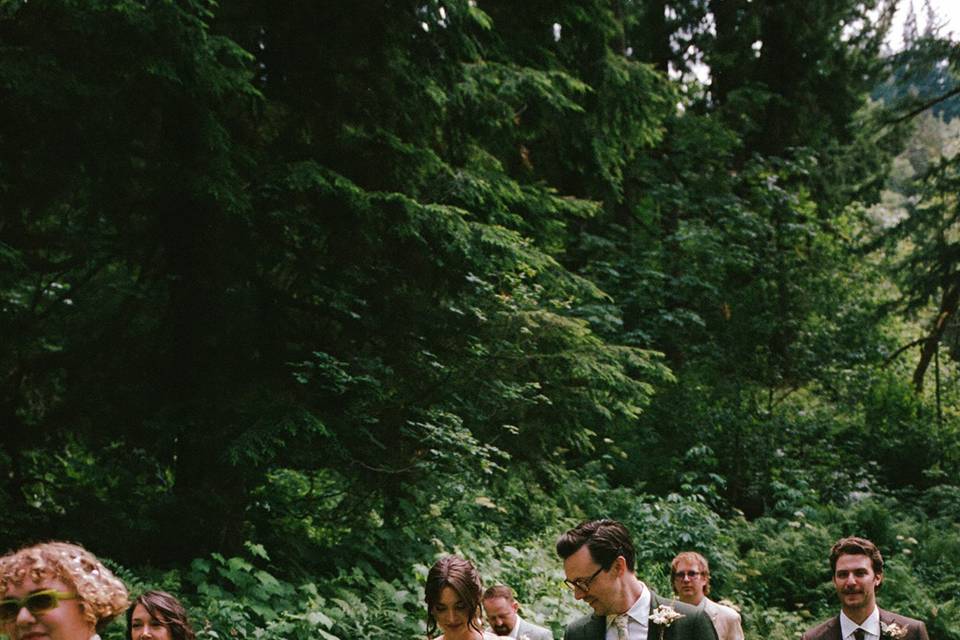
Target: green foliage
column 775, row 571
column 294, row 299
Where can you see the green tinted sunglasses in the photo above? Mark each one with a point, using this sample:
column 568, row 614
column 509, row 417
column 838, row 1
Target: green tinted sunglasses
column 37, row 602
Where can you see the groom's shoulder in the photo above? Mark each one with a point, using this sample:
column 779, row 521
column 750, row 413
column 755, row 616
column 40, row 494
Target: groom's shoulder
column 888, row 617
column 821, row 630
column 688, row 611
column 693, row 621
column 896, row 617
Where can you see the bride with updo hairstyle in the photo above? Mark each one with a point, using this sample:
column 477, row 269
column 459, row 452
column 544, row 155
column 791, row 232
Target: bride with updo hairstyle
column 453, row 593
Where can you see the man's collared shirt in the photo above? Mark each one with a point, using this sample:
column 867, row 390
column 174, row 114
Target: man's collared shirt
column 516, row 629
column 871, row 625
column 638, row 619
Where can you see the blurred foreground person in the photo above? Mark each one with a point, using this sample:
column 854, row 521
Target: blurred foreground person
column 157, row 615
column 57, row 591
column 452, row 594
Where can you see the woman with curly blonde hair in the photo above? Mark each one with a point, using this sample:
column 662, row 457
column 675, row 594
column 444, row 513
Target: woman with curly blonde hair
column 57, row 591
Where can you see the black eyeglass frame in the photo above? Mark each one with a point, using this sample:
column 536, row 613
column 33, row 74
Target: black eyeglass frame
column 583, row 583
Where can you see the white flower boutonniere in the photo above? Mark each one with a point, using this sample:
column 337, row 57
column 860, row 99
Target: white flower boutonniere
column 664, row 615
column 524, row 637
column 892, row 630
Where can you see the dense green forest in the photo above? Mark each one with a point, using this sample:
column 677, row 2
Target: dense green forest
column 297, row 295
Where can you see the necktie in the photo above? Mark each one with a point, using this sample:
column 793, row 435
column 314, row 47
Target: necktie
column 621, row 622
column 859, row 634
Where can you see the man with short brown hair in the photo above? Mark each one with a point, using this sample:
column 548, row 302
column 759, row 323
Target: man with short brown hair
column 857, row 575
column 598, row 561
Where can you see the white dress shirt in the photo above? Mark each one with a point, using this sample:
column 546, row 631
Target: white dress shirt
column 638, row 619
column 871, row 625
column 516, row 629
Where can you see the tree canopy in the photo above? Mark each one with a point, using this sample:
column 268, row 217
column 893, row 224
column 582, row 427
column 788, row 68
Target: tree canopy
column 296, row 295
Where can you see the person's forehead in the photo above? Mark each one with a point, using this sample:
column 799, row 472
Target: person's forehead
column 687, row 565
column 850, row 561
column 580, row 562
column 140, row 612
column 449, row 595
column 496, row 603
column 30, row 585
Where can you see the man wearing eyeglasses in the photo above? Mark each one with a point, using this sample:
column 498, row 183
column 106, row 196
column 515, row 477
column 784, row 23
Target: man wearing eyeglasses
column 691, row 582
column 598, row 560
column 857, row 575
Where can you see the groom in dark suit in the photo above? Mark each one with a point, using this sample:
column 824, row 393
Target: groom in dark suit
column 598, row 559
column 857, row 575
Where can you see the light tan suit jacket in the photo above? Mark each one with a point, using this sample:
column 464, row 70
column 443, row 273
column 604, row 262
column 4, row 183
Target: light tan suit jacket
column 725, row 619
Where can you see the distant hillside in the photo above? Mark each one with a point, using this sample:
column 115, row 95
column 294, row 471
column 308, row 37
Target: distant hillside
column 921, row 74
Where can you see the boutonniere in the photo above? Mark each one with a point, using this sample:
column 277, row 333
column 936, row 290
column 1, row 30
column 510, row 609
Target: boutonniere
column 524, row 637
column 892, row 630
column 664, row 615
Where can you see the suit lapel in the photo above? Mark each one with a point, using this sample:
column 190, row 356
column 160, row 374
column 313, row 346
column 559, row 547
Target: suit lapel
column 836, row 633
column 653, row 629
column 597, row 629
column 886, row 618
column 712, row 612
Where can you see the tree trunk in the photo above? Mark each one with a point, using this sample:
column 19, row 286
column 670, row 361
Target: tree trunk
column 948, row 308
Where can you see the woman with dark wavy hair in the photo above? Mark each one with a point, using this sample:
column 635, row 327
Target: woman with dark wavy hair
column 453, row 593
column 157, row 615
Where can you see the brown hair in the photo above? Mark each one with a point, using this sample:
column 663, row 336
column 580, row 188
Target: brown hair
column 499, row 591
column 855, row 546
column 695, row 558
column 461, row 576
column 167, row 610
column 606, row 540
column 102, row 596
